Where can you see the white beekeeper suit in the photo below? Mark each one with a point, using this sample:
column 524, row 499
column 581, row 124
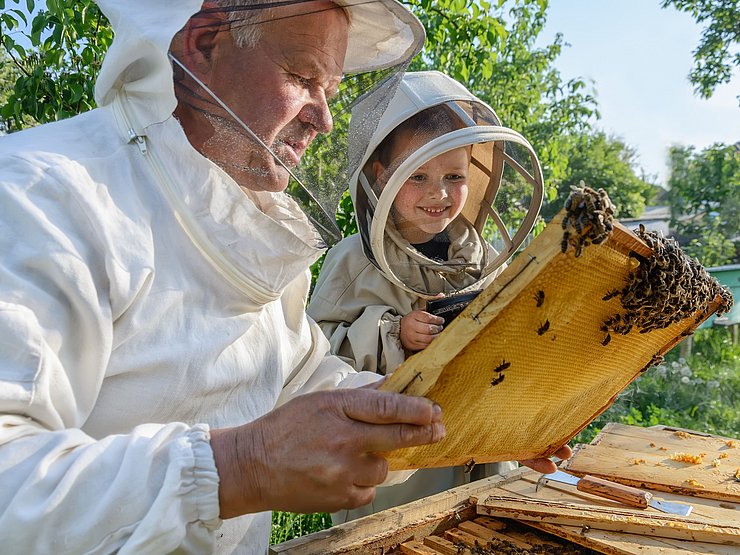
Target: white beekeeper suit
column 143, row 298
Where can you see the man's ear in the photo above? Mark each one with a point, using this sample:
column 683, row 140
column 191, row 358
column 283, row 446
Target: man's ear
column 198, row 38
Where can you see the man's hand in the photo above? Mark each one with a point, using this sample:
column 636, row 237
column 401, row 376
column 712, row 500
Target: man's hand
column 546, row 466
column 318, row 452
column 418, row 328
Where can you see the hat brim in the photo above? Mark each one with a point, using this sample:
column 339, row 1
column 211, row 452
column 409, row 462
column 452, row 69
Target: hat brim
column 382, row 34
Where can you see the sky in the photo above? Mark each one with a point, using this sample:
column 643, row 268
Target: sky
column 639, row 57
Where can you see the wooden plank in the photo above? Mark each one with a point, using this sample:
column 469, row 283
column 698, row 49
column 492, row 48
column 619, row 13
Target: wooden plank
column 532, row 539
column 490, row 523
column 483, row 525
column 584, row 537
column 442, row 545
column 475, row 529
column 414, row 547
column 624, row 520
column 619, row 543
column 710, row 510
column 383, row 532
column 376, row 534
column 458, row 536
column 645, row 457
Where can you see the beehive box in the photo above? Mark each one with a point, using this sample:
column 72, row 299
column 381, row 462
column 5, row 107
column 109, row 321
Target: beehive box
column 439, row 524
column 517, row 513
column 549, row 344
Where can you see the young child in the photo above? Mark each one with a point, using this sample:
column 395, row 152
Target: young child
column 425, row 201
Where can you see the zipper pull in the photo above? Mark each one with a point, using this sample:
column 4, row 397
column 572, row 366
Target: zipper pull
column 140, row 140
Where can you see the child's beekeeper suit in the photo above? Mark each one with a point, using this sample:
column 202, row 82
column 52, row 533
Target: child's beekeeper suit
column 370, row 280
column 143, row 298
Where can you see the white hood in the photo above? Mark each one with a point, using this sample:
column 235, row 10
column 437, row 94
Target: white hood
column 137, row 60
column 501, row 160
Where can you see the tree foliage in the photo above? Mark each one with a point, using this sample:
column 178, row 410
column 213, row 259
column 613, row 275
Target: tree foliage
column 57, row 49
column 718, row 54
column 704, row 197
column 8, row 75
column 603, row 162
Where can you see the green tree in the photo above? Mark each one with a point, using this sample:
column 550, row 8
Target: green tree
column 57, row 49
column 718, row 51
column 8, row 76
column 603, row 162
column 704, row 195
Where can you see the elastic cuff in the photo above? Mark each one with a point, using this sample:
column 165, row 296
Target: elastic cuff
column 205, row 477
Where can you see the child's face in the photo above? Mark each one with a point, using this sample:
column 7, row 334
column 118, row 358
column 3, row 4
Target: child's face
column 432, row 196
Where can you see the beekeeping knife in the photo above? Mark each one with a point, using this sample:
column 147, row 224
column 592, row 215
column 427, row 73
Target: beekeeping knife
column 618, row 492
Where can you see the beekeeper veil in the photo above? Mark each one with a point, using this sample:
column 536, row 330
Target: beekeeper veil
column 382, row 38
column 444, row 194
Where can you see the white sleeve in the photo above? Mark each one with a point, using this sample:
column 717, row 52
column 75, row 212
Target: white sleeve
column 62, row 491
column 151, row 491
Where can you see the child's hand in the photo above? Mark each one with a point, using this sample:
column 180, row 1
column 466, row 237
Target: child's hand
column 418, row 328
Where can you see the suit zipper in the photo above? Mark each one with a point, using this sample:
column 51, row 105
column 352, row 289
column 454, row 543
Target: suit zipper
column 184, row 217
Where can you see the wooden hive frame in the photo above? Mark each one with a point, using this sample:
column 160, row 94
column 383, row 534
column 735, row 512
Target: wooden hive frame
column 526, row 366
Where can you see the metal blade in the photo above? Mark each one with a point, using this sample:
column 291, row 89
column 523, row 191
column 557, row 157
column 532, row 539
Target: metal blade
column 672, row 508
column 563, row 477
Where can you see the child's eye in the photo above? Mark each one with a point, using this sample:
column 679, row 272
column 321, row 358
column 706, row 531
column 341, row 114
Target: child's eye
column 417, row 178
column 455, row 177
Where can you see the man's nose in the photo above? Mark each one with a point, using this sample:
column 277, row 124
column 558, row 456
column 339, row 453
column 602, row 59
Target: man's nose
column 316, row 113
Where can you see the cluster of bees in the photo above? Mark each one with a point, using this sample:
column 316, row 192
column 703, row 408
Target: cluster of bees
column 664, row 289
column 589, row 216
column 498, row 547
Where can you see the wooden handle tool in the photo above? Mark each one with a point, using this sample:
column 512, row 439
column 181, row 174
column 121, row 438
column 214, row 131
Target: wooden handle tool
column 627, row 495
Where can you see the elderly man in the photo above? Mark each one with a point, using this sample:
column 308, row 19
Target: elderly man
column 161, row 388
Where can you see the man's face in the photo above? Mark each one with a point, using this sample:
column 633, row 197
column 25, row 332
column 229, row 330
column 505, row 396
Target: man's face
column 279, row 88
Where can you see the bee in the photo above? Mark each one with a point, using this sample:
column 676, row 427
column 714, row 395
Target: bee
column 469, row 466
column 498, row 379
column 611, row 294
column 607, row 339
column 589, row 216
column 503, row 366
column 564, row 243
column 579, row 246
column 539, row 298
column 543, row 328
column 657, row 359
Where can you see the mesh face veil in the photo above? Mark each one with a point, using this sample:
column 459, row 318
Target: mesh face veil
column 262, row 84
column 444, row 194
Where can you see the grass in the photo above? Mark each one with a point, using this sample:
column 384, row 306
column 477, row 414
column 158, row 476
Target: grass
column 286, row 526
column 700, row 392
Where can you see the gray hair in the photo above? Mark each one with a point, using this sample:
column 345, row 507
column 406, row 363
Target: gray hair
column 244, row 20
column 244, row 28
